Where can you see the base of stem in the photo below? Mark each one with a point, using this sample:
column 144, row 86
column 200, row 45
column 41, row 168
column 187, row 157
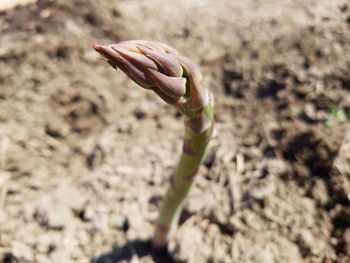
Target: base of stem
column 162, row 236
column 159, row 245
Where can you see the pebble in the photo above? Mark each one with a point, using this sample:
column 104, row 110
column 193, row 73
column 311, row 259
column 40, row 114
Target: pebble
column 306, row 239
column 54, row 209
column 22, row 251
column 347, row 240
column 263, row 189
column 276, row 166
column 263, row 256
column 190, row 240
column 319, row 192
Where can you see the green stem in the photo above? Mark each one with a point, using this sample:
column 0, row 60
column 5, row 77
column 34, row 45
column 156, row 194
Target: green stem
column 195, row 145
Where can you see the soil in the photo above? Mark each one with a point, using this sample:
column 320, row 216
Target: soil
column 86, row 155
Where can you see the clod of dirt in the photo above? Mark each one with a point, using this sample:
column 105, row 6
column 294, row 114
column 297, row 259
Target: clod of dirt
column 263, row 188
column 347, row 240
column 6, row 5
column 56, row 209
column 22, row 251
column 263, row 256
column 319, row 192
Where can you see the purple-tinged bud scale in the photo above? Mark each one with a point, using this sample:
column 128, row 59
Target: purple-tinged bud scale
column 159, row 67
column 172, row 86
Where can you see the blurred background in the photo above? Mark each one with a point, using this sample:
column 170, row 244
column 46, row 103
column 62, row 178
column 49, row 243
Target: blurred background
column 86, row 155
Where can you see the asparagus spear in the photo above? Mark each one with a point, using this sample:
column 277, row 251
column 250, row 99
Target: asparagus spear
column 178, row 81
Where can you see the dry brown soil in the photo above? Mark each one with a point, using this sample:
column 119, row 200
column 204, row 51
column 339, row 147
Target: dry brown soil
column 85, row 154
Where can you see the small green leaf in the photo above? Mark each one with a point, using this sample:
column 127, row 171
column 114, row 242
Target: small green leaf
column 334, row 109
column 289, row 20
column 341, row 116
column 82, row 50
column 329, row 123
column 337, row 115
column 331, row 204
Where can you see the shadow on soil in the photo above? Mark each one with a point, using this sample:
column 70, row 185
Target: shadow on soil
column 135, row 248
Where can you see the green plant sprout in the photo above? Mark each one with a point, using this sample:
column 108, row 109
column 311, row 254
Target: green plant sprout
column 178, row 81
column 337, row 115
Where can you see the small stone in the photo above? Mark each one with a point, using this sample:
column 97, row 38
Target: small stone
column 276, row 166
column 263, row 256
column 43, row 242
column 306, row 239
column 124, row 169
column 22, row 251
column 190, row 240
column 201, row 200
column 88, row 214
column 56, row 128
column 40, row 258
column 347, row 240
column 319, row 192
column 55, row 208
column 263, row 189
column 7, row 5
column 60, row 255
column 252, row 152
column 286, row 250
column 310, row 111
